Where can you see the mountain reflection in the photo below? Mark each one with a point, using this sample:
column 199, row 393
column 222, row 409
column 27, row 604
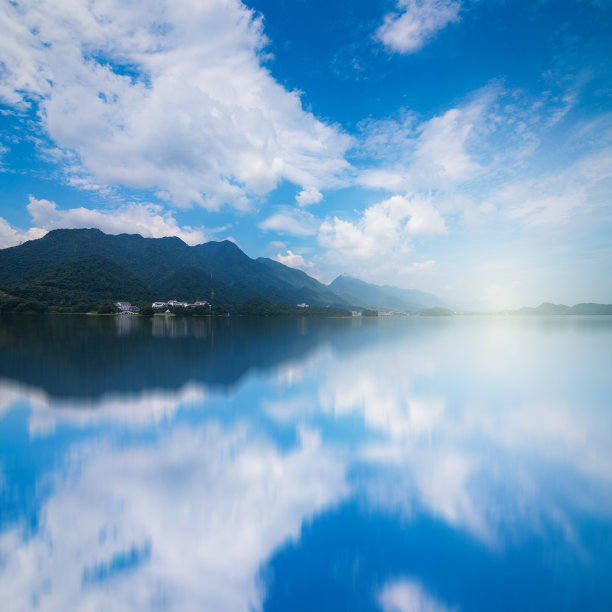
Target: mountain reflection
column 86, row 357
column 398, row 464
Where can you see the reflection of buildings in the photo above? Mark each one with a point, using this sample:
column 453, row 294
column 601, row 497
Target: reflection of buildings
column 181, row 327
column 126, row 325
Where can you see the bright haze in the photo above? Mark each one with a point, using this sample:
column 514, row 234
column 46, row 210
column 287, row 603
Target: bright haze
column 461, row 147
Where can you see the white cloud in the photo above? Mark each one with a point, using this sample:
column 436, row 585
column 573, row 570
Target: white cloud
column 379, row 246
column 553, row 199
column 204, row 508
column 149, row 220
column 294, row 260
column 442, row 144
column 440, row 153
column 10, row 236
column 420, row 267
column 3, row 151
column 167, row 95
column 383, row 230
column 131, row 411
column 417, row 22
column 291, row 221
column 308, row 196
column 407, row 595
column 476, row 161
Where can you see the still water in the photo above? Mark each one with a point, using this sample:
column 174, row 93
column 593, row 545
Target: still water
column 399, row 464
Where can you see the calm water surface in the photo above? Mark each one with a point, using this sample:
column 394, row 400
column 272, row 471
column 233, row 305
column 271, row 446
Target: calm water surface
column 409, row 464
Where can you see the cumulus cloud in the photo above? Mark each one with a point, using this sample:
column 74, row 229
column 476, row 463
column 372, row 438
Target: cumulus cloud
column 11, row 236
column 417, row 22
column 294, row 260
column 383, row 229
column 149, row 220
column 308, row 196
column 291, row 221
column 171, row 96
column 443, row 152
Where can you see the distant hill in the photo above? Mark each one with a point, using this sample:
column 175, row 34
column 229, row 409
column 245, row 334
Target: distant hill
column 312, row 290
column 384, row 297
column 435, row 312
column 547, row 308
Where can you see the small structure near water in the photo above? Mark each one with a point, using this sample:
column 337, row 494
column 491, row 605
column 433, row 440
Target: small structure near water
column 126, row 307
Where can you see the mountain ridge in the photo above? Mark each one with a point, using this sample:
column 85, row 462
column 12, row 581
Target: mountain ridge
column 383, row 297
column 217, row 271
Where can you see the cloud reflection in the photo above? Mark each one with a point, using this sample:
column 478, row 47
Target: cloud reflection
column 408, row 596
column 132, row 410
column 485, row 428
column 470, row 421
column 191, row 518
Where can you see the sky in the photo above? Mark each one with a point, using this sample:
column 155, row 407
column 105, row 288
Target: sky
column 462, row 147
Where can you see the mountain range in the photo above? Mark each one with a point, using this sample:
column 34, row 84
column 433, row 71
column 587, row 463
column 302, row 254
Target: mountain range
column 77, row 269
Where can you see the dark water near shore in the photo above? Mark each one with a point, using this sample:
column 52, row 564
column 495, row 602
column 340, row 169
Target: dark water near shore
column 410, row 464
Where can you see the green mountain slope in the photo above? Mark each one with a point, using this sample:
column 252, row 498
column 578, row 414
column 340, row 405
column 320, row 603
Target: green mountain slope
column 84, row 281
column 309, row 289
column 190, row 284
column 146, row 258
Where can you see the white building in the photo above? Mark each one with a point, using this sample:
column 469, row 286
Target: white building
column 126, row 307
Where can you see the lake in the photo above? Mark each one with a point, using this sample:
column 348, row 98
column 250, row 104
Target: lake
column 392, row 464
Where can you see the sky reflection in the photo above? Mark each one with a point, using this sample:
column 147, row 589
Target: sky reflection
column 406, row 464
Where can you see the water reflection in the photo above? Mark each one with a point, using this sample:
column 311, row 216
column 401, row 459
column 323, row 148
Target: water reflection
column 86, row 357
column 401, row 464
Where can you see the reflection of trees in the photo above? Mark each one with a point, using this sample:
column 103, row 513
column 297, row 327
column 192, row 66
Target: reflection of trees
column 84, row 356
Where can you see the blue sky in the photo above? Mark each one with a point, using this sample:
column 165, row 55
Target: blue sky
column 461, row 147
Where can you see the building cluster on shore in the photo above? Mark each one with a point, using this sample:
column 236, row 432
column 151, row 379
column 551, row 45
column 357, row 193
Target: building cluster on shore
column 127, row 307
column 177, row 304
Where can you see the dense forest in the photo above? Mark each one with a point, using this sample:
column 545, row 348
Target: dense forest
column 88, row 271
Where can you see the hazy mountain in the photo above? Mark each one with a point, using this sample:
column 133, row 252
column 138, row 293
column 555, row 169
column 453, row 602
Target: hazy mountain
column 385, row 297
column 313, row 291
column 547, row 308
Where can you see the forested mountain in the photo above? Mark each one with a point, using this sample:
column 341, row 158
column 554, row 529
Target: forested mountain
column 84, row 267
column 86, row 281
